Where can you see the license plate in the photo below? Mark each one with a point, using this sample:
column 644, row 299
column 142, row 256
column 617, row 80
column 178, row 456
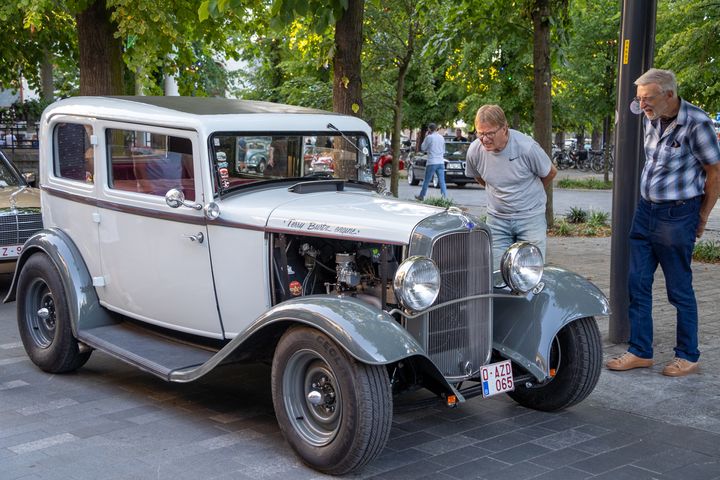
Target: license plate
column 497, row 378
column 10, row 252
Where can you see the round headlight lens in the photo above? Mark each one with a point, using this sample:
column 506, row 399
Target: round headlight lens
column 417, row 283
column 522, row 267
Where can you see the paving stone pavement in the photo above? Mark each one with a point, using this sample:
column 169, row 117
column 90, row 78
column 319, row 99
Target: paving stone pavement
column 111, row 421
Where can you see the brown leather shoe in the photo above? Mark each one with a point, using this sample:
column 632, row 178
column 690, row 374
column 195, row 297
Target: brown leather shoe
column 679, row 367
column 628, row 361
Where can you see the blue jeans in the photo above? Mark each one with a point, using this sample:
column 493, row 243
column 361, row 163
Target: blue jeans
column 506, row 232
column 431, row 170
column 663, row 233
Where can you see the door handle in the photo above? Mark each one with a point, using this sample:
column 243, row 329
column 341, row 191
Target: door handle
column 198, row 237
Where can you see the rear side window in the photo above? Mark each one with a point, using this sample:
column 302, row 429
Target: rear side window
column 150, row 163
column 74, row 152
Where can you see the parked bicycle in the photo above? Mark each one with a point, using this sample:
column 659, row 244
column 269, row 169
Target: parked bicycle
column 598, row 159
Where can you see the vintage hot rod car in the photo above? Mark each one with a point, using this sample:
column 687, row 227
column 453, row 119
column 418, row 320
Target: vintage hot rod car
column 159, row 253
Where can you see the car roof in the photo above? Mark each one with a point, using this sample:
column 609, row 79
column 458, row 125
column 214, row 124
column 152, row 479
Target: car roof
column 207, row 113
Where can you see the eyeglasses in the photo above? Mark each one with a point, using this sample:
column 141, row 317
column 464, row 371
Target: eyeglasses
column 645, row 99
column 489, row 135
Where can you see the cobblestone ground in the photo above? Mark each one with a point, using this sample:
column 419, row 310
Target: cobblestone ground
column 112, row 421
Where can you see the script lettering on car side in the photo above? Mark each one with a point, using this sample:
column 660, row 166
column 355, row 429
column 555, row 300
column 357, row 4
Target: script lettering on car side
column 321, row 227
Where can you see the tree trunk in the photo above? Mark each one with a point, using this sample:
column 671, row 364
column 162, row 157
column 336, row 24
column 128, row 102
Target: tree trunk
column 542, row 87
column 101, row 63
column 397, row 108
column 347, row 84
column 46, row 77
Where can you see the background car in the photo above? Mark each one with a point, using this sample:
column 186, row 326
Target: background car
column 383, row 164
column 455, row 154
column 19, row 212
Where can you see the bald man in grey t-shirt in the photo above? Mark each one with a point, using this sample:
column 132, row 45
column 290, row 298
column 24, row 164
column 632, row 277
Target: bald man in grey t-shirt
column 515, row 171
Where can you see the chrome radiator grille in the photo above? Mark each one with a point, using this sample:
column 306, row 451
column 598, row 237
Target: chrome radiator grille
column 15, row 229
column 459, row 336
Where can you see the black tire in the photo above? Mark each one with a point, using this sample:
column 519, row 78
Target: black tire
column 44, row 318
column 576, row 355
column 351, row 425
column 387, row 170
column 411, row 177
column 261, row 166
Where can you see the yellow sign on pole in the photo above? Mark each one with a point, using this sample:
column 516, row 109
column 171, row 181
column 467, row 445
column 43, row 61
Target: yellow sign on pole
column 626, row 51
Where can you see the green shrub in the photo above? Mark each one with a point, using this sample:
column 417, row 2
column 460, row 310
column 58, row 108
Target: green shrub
column 598, row 219
column 587, row 183
column 576, row 215
column 439, row 202
column 563, row 229
column 707, row 251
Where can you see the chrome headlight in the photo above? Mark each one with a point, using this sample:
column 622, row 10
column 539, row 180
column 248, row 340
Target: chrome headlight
column 417, row 283
column 522, row 267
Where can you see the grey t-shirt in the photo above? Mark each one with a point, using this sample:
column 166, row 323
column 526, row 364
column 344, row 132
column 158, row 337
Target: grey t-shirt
column 512, row 176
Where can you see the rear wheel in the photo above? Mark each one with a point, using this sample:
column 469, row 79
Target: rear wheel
column 387, row 169
column 44, row 318
column 334, row 411
column 576, row 356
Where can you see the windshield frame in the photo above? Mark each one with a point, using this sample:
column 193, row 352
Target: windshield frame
column 363, row 172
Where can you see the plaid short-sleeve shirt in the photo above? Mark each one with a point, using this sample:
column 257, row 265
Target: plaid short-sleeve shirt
column 675, row 160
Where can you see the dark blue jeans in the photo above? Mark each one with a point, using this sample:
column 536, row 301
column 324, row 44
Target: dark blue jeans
column 663, row 234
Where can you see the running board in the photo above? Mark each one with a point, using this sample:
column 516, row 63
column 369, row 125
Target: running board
column 146, row 349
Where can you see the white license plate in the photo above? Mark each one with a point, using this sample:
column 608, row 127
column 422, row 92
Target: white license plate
column 10, row 252
column 497, row 378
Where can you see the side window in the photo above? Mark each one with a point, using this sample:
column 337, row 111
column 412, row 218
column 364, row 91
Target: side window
column 151, row 163
column 73, row 152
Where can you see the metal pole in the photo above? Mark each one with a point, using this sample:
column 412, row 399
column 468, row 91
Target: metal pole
column 636, row 49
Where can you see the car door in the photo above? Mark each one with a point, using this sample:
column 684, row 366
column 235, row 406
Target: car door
column 155, row 259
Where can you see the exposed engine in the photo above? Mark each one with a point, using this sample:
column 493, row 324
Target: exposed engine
column 304, row 265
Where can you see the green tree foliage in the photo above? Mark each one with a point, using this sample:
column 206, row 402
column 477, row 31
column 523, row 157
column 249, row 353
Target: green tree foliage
column 687, row 43
column 584, row 81
column 34, row 36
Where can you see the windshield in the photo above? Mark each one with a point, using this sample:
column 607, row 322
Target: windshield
column 240, row 159
column 456, row 150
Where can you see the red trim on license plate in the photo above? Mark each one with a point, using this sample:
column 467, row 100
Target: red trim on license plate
column 497, row 378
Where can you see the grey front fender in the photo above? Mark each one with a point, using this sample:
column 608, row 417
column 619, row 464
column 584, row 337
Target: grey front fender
column 80, row 294
column 524, row 327
column 367, row 333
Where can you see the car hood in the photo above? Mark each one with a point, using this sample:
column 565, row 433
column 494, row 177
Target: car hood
column 28, row 199
column 350, row 214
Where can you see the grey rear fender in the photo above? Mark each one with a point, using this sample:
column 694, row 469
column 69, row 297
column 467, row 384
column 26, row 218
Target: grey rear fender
column 82, row 299
column 524, row 327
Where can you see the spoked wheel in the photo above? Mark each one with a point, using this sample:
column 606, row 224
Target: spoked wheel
column 334, row 412
column 44, row 319
column 411, row 177
column 576, row 357
column 435, row 181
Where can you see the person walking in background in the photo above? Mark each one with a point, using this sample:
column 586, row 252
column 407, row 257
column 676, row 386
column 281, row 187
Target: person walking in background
column 434, row 145
column 514, row 169
column 679, row 186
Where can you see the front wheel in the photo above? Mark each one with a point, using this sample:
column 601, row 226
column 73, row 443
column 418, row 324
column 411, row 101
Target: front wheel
column 44, row 318
column 411, row 177
column 576, row 357
column 387, row 169
column 334, row 411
